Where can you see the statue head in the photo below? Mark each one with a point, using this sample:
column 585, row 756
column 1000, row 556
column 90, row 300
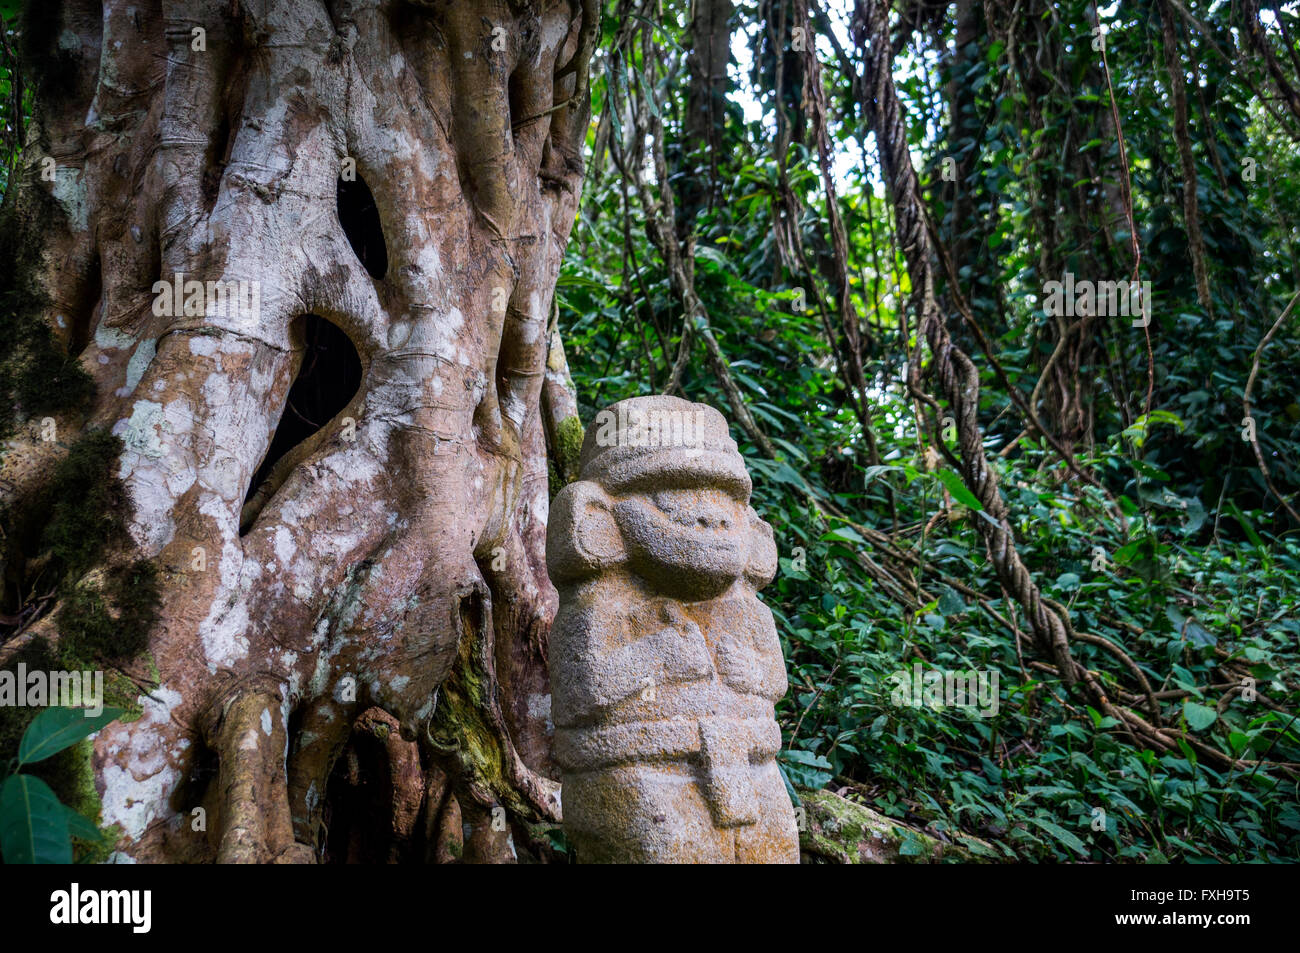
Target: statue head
column 663, row 492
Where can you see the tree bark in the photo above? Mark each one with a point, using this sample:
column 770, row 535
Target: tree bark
column 704, row 122
column 390, row 572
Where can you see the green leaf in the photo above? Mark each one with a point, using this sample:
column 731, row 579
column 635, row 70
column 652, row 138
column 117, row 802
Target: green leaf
column 845, row 534
column 911, row 846
column 951, row 602
column 33, row 824
column 1062, row 835
column 82, row 827
column 1199, row 717
column 57, row 728
column 807, row 769
column 1246, row 526
column 958, row 490
column 1067, row 580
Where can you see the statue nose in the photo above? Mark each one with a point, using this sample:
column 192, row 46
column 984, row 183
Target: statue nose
column 714, row 521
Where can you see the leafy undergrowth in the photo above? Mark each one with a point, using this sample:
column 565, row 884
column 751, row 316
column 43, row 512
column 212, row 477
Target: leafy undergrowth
column 1040, row 775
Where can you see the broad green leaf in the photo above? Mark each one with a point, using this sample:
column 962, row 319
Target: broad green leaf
column 958, row 490
column 911, row 846
column 57, row 728
column 1199, row 717
column 82, row 827
column 845, row 534
column 807, row 769
column 1061, row 834
column 950, row 601
column 33, row 824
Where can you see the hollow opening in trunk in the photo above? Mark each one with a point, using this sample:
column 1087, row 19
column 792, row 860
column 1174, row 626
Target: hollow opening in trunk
column 327, row 380
column 359, row 217
column 87, row 311
column 374, row 798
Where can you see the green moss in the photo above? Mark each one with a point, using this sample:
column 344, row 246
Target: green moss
column 841, row 831
column 52, row 537
column 84, row 504
column 38, row 377
column 553, row 483
column 72, row 523
column 72, row 517
column 14, row 720
column 461, row 727
column 111, row 620
column 569, row 434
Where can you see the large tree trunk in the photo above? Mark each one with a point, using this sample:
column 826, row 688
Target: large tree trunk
column 705, row 120
column 353, row 604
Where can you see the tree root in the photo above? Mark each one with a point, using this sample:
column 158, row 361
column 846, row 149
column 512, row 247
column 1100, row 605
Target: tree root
column 255, row 824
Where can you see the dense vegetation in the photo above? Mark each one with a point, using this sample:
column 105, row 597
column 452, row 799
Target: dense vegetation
column 1138, row 504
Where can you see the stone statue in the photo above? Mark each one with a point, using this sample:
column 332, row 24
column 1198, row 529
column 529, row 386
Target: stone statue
column 664, row 664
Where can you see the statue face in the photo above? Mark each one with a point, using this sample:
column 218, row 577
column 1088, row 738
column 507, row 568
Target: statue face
column 690, row 542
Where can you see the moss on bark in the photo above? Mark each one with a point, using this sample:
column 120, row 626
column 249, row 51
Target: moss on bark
column 839, row 831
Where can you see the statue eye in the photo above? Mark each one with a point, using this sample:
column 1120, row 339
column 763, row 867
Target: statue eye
column 665, row 500
column 673, row 505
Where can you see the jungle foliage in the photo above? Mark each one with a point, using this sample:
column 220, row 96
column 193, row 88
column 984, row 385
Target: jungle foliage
column 1139, row 504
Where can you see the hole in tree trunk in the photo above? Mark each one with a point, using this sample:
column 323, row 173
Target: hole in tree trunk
column 86, row 311
column 359, row 217
column 327, row 381
column 363, row 818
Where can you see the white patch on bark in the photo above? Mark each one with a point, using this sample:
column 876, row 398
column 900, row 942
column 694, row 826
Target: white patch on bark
column 203, row 345
column 153, row 471
column 284, row 548
column 112, row 339
column 141, row 435
column 246, row 420
column 224, row 632
column 70, row 189
column 133, row 802
column 533, row 329
column 430, row 263
column 554, row 32
column 539, row 706
column 139, row 363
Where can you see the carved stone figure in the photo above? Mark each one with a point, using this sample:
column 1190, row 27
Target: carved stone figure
column 664, row 664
